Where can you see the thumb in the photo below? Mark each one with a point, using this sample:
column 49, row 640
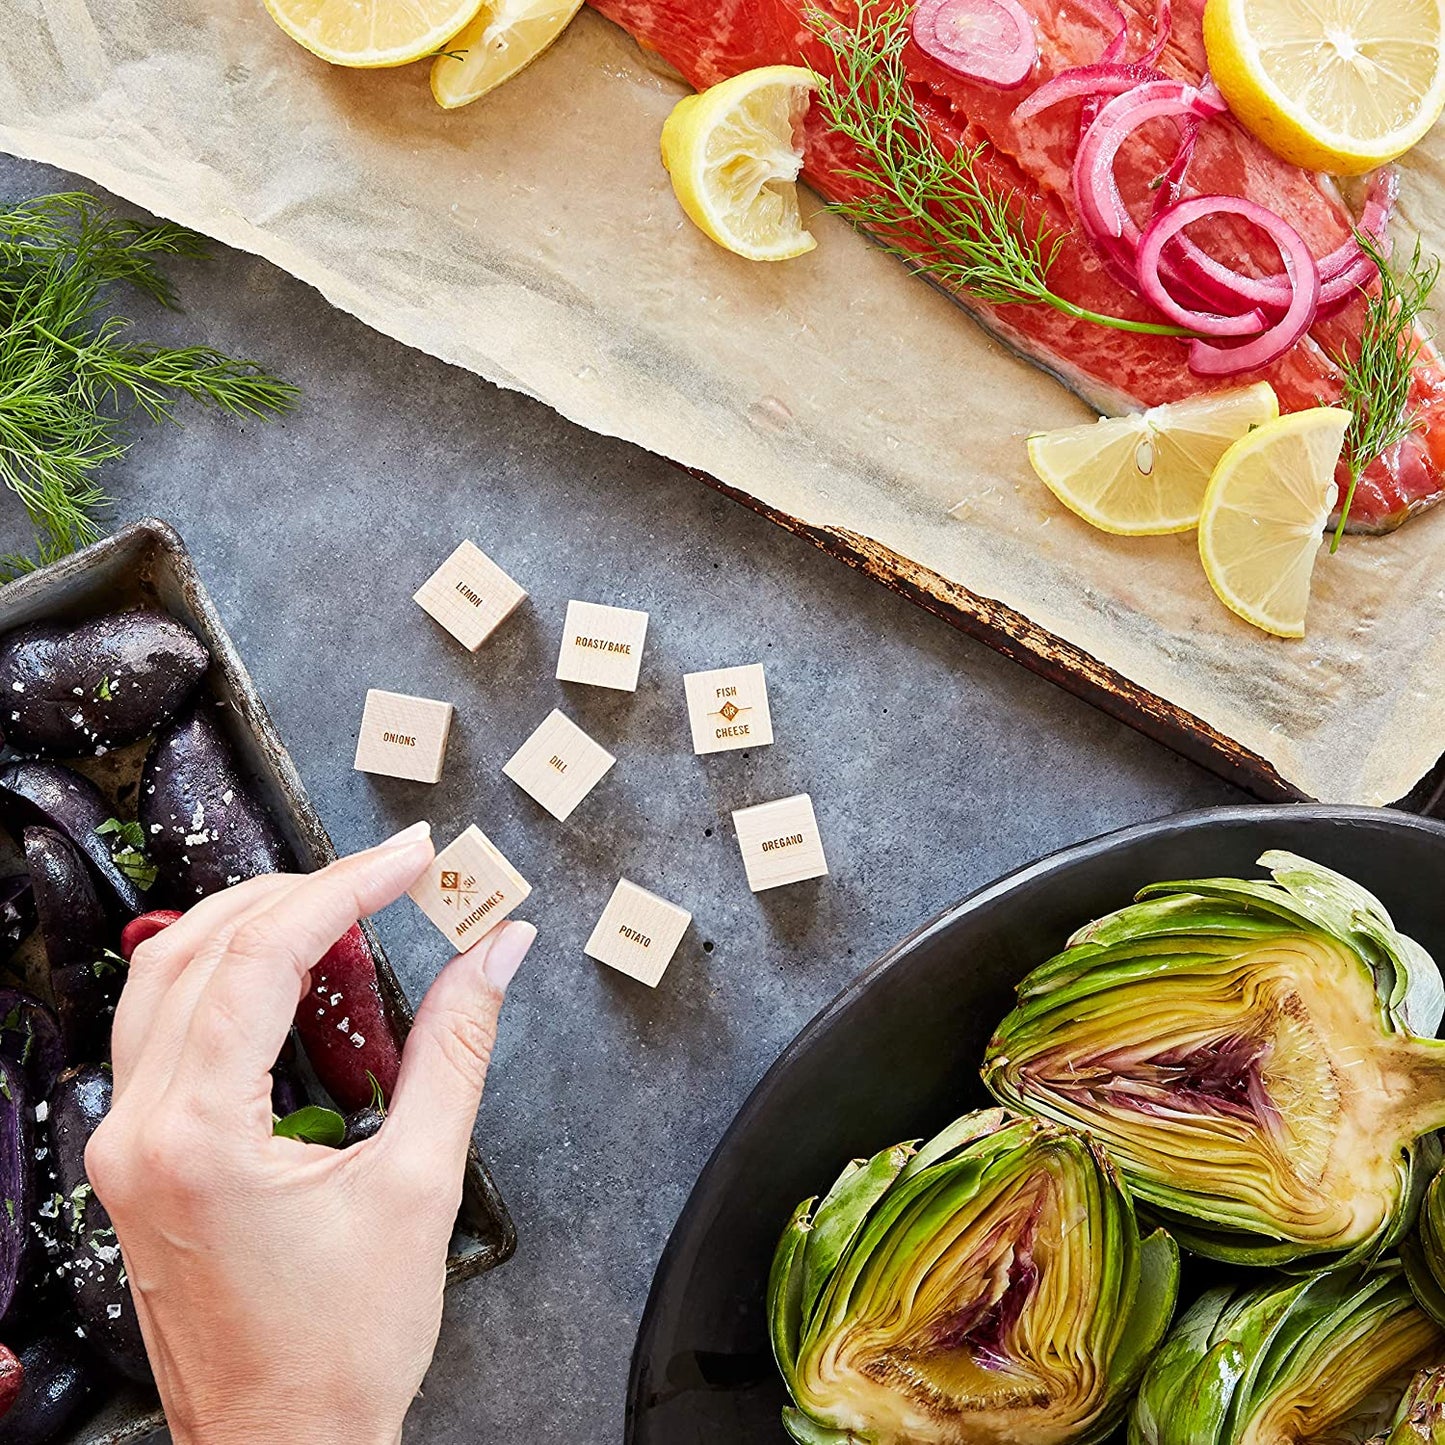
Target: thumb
column 444, row 1063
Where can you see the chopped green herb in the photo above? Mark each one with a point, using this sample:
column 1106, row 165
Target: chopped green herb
column 128, row 851
column 109, row 962
column 312, row 1125
column 69, row 371
column 10, row 1209
column 103, row 691
column 378, row 1098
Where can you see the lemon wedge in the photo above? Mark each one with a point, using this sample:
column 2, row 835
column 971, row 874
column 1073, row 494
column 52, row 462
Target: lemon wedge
column 1142, row 475
column 368, row 34
column 502, row 38
column 734, row 152
column 1332, row 85
column 1265, row 514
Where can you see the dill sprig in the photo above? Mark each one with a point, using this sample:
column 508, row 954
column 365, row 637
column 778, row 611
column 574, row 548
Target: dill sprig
column 920, row 203
column 69, row 371
column 1376, row 385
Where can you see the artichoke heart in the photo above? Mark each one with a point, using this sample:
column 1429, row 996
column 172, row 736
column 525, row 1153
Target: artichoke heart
column 991, row 1286
column 1327, row 1359
column 1248, row 1054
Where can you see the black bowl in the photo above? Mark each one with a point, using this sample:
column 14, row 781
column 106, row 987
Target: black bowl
column 896, row 1056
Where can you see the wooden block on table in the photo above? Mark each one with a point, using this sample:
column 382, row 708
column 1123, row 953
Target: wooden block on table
column 558, row 765
column 638, row 933
column 403, row 737
column 469, row 595
column 727, row 708
column 779, row 842
column 602, row 646
column 469, row 888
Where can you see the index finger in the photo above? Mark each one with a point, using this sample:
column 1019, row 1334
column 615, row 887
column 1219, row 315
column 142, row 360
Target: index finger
column 245, row 1010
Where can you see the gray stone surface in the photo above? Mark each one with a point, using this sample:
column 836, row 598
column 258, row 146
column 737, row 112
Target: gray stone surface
column 934, row 764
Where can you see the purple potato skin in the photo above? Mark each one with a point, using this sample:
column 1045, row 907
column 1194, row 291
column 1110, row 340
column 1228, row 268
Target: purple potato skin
column 75, row 688
column 58, row 1383
column 362, row 1125
column 17, row 912
column 84, row 983
column 48, row 795
column 17, row 1183
column 93, row 1267
column 30, row 1038
column 205, row 829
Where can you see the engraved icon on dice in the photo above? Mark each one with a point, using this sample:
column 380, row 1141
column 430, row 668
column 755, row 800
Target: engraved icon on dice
column 456, row 891
column 729, row 710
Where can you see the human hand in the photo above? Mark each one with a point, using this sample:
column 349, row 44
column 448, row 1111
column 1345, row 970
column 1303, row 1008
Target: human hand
column 287, row 1292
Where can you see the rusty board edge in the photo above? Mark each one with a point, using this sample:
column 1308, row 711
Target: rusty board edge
column 1011, row 633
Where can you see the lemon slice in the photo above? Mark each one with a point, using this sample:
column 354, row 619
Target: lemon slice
column 1265, row 513
column 1332, row 85
column 1142, row 475
column 371, row 33
column 734, row 153
column 503, row 37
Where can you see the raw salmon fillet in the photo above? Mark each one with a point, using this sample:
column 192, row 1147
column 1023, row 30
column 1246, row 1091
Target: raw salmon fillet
column 1116, row 371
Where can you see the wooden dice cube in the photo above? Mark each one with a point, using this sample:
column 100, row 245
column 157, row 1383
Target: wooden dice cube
column 469, row 595
column 469, row 889
column 403, row 736
column 558, row 765
column 728, row 708
column 780, row 843
column 638, row 933
column 602, row 646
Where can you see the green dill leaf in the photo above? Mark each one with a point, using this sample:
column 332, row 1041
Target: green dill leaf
column 312, row 1125
column 1375, row 387
column 69, row 372
column 923, row 204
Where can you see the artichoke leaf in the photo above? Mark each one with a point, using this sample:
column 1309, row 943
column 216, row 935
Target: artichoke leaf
column 841, row 1215
column 785, row 1291
column 1241, row 1049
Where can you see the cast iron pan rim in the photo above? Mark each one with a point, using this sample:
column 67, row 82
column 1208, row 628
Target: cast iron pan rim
column 1057, row 861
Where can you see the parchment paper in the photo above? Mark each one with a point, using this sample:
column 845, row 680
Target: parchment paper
column 533, row 238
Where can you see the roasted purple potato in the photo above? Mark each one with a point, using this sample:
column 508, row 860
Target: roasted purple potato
column 57, row 1383
column 51, row 796
column 73, row 688
column 94, row 1272
column 17, row 1182
column 85, row 975
column 30, row 1038
column 204, row 828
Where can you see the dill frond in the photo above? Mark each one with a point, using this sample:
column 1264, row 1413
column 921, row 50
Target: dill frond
column 69, row 372
column 920, row 203
column 1376, row 384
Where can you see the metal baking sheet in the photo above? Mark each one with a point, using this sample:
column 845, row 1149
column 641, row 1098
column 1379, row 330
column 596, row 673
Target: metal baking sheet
column 148, row 563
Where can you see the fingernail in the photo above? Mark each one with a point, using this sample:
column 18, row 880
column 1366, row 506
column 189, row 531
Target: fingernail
column 505, row 956
column 408, row 837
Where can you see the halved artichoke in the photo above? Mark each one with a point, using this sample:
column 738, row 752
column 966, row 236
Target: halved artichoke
column 1323, row 1359
column 1420, row 1420
column 1246, row 1051
column 991, row 1286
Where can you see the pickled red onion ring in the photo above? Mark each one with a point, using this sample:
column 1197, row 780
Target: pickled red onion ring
column 1299, row 267
column 992, row 41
